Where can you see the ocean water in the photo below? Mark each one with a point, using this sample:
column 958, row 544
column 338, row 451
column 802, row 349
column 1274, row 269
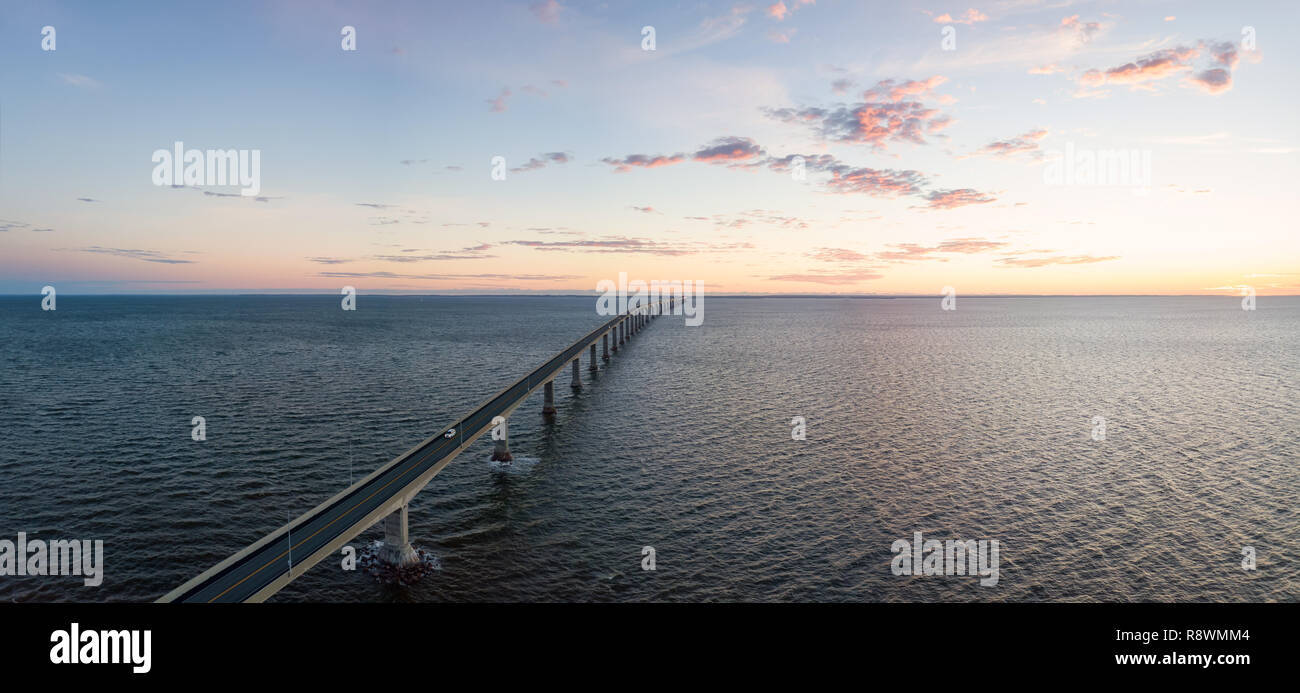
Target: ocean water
column 969, row 424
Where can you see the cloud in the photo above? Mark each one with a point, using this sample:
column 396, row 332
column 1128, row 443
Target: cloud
column 849, row 276
column 375, row 205
column 475, row 252
column 498, row 104
column 970, row 17
column 952, row 199
column 547, row 158
column 328, row 260
column 81, row 81
column 779, row 11
column 1213, row 81
column 19, row 226
column 391, row 275
column 841, row 86
column 838, row 255
column 910, row 252
column 726, row 149
column 1083, row 31
column 623, row 244
column 1056, row 260
column 876, row 182
column 631, row 161
column 969, row 245
column 259, row 198
column 742, row 152
column 857, row 266
column 647, row 210
column 885, row 115
column 1146, row 69
column 615, row 245
column 547, row 11
column 1049, row 69
column 1219, row 59
column 146, row 255
column 87, row 199
column 1026, row 144
column 755, row 216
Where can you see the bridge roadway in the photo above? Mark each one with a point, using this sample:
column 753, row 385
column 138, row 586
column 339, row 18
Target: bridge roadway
column 262, row 569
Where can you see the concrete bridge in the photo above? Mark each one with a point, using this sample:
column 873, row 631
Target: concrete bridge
column 259, row 571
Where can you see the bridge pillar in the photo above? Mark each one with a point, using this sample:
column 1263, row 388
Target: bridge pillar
column 501, row 446
column 592, row 367
column 622, row 334
column 548, row 404
column 604, row 340
column 577, row 379
column 397, row 548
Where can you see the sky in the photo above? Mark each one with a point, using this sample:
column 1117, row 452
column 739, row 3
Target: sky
column 792, row 147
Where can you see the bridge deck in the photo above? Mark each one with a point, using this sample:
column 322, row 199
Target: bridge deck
column 263, row 568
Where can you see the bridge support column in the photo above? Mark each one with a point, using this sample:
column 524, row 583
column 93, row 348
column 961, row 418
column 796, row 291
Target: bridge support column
column 592, row 367
column 604, row 341
column 577, row 379
column 548, row 403
column 397, row 548
column 622, row 334
column 501, row 446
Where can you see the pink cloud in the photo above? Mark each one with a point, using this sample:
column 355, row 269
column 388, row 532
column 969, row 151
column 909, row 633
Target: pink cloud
column 631, row 161
column 1026, row 143
column 886, row 114
column 1213, row 81
column 844, row 277
column 728, row 149
column 1057, row 260
column 952, row 199
column 970, row 17
column 1145, row 72
column 1149, row 68
column 875, row 182
column 547, row 11
column 780, row 10
column 498, row 104
column 838, row 255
